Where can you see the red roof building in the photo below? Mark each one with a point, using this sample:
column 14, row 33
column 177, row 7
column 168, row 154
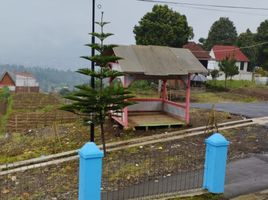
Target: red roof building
column 221, row 52
column 6, row 80
column 198, row 51
column 19, row 82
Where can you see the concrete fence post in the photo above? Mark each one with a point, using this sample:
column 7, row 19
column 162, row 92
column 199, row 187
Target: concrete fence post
column 90, row 171
column 215, row 163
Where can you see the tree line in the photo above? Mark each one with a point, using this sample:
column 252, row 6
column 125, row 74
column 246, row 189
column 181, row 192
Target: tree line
column 163, row 26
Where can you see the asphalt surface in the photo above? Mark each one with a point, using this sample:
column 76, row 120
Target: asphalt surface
column 246, row 176
column 249, row 110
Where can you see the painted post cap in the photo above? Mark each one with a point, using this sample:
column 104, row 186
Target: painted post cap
column 90, row 150
column 217, row 140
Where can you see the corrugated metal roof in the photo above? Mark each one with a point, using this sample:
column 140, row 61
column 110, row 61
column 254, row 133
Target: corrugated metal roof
column 157, row 60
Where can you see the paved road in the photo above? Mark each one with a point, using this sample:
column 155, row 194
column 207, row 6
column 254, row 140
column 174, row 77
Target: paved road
column 250, row 110
column 261, row 195
column 247, row 176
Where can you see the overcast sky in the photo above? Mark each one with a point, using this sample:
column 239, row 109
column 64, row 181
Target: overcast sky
column 51, row 33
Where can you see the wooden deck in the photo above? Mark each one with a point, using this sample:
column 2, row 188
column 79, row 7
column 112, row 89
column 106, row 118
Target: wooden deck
column 152, row 119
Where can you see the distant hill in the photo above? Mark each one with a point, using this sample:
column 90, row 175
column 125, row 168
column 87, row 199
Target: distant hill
column 49, row 79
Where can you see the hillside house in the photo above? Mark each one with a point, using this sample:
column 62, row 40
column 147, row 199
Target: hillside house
column 155, row 63
column 26, row 82
column 198, row 51
column 20, row 82
column 220, row 52
column 7, row 80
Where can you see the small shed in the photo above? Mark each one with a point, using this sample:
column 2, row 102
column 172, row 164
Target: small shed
column 155, row 63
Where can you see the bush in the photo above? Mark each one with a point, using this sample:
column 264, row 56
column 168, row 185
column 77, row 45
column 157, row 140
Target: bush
column 4, row 94
column 261, row 71
column 214, row 86
column 214, row 74
column 141, row 85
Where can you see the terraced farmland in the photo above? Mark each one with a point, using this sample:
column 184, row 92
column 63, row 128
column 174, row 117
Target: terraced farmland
column 30, row 111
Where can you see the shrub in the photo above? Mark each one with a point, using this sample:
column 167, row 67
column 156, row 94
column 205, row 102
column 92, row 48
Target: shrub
column 4, row 94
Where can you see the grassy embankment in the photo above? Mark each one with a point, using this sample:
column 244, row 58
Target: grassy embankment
column 236, row 91
column 214, row 92
column 5, row 98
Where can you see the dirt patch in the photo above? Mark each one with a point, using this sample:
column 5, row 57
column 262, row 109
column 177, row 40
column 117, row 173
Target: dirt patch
column 200, row 117
column 131, row 166
column 42, row 141
column 36, row 142
column 260, row 93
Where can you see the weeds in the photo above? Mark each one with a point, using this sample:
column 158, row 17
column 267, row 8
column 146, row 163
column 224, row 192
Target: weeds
column 4, row 119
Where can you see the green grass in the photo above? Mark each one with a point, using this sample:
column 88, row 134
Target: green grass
column 4, row 119
column 49, row 108
column 231, row 84
column 216, row 97
column 202, row 197
column 31, row 145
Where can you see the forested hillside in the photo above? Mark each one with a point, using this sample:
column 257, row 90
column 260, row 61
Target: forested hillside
column 48, row 78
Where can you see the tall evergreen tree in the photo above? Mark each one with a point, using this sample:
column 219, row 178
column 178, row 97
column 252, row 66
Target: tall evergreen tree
column 223, row 32
column 163, row 27
column 262, row 36
column 96, row 104
column 247, row 39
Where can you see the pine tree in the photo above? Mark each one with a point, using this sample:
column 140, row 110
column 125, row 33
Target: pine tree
column 96, row 104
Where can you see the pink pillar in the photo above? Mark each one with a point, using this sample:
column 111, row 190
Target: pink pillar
column 164, row 89
column 187, row 101
column 125, row 110
column 125, row 118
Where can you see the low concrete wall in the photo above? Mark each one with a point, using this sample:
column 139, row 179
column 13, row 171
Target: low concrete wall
column 241, row 76
column 146, row 106
column 174, row 110
column 159, row 105
column 21, row 89
column 261, row 80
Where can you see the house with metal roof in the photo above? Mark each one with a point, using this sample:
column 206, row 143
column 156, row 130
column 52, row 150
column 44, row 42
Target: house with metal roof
column 19, row 82
column 201, row 54
column 7, row 79
column 220, row 52
column 156, row 63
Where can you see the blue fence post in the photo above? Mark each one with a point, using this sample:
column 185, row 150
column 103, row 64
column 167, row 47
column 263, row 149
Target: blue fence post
column 215, row 163
column 90, row 170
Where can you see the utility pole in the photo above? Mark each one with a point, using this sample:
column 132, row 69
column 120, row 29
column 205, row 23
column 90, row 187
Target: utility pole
column 92, row 64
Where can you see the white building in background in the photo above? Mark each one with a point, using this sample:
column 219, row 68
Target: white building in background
column 19, row 82
column 221, row 52
column 26, row 82
column 24, row 79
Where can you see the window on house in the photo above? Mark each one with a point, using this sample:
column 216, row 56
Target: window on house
column 242, row 64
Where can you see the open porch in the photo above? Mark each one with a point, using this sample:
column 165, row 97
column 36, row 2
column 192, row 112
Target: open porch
column 159, row 64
